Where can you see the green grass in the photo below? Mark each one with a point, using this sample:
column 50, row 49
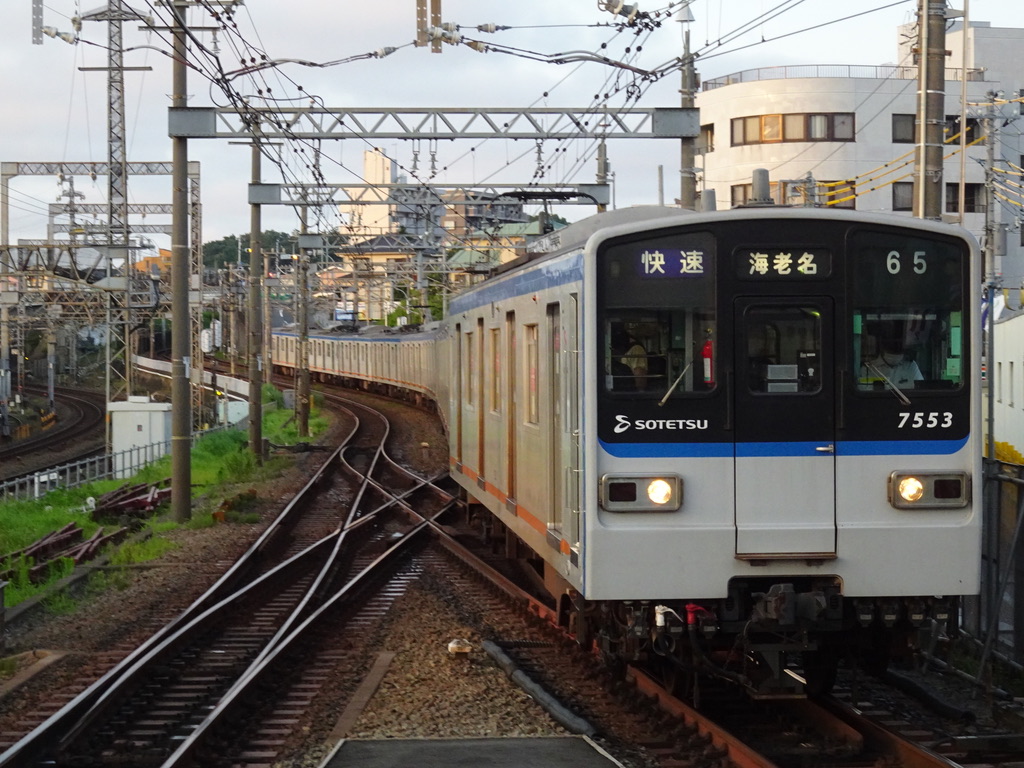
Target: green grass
column 24, row 522
column 20, row 587
column 141, row 551
column 220, row 462
column 280, row 428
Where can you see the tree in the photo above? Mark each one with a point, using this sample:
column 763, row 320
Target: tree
column 217, row 253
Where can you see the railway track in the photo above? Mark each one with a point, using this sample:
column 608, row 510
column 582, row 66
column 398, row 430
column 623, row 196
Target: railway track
column 77, row 433
column 200, row 655
column 309, row 601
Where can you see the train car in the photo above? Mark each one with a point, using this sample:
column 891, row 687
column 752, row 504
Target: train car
column 409, row 367
column 740, row 443
column 743, row 442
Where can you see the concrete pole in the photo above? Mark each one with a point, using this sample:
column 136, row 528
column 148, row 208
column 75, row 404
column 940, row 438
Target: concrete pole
column 602, row 170
column 268, row 362
column 302, row 393
column 5, row 314
column 232, row 310
column 688, row 153
column 181, row 322
column 929, row 197
column 255, row 318
column 5, row 370
column 51, row 368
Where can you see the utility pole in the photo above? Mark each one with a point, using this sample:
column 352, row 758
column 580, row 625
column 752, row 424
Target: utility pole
column 931, row 115
column 991, row 515
column 688, row 154
column 255, row 315
column 181, row 326
column 991, row 268
column 302, row 393
column 602, row 170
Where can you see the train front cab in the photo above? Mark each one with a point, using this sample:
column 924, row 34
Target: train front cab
column 765, row 463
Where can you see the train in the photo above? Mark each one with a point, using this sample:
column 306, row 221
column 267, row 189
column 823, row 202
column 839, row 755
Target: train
column 741, row 444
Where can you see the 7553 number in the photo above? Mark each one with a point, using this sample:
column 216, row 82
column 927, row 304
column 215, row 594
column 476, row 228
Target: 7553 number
column 926, row 420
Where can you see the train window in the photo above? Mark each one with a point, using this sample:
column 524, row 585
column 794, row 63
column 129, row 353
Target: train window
column 532, row 373
column 657, row 316
column 664, row 352
column 495, row 370
column 470, row 367
column 783, row 349
column 908, row 324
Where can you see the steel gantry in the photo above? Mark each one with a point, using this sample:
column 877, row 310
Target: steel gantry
column 76, row 284
column 435, row 123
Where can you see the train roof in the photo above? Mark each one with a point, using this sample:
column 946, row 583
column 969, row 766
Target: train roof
column 575, row 235
column 426, row 331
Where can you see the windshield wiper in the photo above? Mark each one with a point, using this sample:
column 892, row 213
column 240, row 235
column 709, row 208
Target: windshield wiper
column 675, row 383
column 895, row 390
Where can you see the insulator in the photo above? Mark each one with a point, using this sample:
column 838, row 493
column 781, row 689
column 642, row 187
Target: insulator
column 492, row 28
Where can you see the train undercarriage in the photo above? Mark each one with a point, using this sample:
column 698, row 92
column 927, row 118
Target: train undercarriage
column 778, row 640
column 775, row 638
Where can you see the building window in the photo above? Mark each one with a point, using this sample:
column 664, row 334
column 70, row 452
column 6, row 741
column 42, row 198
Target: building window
column 903, row 196
column 740, row 194
column 768, row 129
column 903, row 129
column 951, row 130
column 794, row 127
column 839, row 194
column 706, row 142
column 974, row 198
column 842, row 127
column 771, row 128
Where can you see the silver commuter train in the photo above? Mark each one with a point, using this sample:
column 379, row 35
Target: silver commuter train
column 740, row 443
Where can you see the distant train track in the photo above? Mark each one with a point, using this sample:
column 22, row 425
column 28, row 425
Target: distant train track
column 74, row 435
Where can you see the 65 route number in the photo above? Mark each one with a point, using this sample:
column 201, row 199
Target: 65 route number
column 926, row 420
column 894, row 262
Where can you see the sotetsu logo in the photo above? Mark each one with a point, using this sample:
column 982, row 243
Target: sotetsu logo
column 624, row 422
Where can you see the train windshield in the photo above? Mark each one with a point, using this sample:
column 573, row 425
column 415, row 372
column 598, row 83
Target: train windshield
column 658, row 324
column 907, row 314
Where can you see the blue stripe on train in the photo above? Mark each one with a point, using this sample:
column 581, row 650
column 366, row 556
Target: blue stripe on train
column 749, row 450
column 546, row 274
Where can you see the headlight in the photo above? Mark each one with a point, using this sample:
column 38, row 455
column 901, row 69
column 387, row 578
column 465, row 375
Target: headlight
column 641, row 493
column 659, row 492
column 929, row 490
column 910, row 489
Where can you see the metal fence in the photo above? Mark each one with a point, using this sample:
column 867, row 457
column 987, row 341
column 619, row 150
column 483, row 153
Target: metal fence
column 997, row 615
column 107, row 466
column 888, row 72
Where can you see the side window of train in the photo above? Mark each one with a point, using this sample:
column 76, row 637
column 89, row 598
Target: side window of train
column 907, row 319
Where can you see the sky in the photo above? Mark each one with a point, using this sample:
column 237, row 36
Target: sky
column 56, row 112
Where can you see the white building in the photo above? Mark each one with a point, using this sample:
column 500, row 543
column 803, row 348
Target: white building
column 845, row 135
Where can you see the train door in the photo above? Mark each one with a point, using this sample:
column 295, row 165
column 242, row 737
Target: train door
column 511, row 423
column 554, row 418
column 784, row 385
column 571, row 438
column 457, row 404
column 481, row 405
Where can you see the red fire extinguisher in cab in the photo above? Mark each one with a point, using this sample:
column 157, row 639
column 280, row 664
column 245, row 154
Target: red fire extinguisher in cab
column 708, row 355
